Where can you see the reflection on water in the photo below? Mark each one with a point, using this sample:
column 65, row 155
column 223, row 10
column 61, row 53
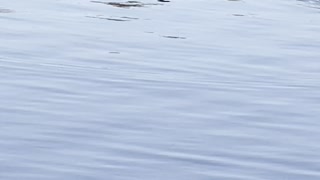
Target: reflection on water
column 132, row 90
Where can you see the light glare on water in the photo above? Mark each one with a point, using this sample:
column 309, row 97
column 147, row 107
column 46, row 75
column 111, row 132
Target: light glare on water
column 206, row 89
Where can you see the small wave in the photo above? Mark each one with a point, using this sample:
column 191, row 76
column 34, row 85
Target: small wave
column 311, row 3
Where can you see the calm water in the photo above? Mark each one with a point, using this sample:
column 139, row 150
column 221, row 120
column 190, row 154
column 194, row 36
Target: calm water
column 180, row 90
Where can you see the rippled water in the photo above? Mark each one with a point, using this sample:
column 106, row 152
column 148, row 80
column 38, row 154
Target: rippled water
column 187, row 89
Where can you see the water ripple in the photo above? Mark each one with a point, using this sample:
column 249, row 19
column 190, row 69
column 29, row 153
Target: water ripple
column 159, row 90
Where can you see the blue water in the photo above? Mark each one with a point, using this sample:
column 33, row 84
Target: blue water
column 180, row 90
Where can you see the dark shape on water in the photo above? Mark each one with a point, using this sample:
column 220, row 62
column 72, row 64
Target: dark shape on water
column 163, row 1
column 5, row 11
column 238, row 15
column 110, row 19
column 175, row 37
column 131, row 18
column 128, row 4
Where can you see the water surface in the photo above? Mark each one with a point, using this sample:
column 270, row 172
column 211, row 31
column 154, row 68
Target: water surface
column 94, row 90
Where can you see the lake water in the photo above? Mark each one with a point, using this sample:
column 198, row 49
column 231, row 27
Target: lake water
column 180, row 90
